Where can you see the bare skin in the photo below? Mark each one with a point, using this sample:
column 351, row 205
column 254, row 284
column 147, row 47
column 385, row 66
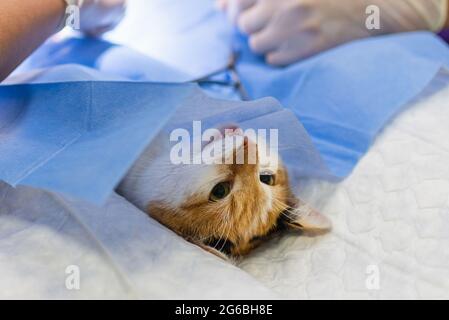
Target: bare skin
column 24, row 25
column 446, row 25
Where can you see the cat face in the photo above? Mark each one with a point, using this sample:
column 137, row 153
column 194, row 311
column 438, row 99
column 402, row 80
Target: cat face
column 228, row 207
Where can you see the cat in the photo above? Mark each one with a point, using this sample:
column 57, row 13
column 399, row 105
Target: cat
column 226, row 209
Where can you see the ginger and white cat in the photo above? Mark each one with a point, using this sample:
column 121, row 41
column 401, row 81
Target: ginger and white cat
column 227, row 209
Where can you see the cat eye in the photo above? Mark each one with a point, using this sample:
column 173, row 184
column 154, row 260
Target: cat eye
column 268, row 179
column 220, row 191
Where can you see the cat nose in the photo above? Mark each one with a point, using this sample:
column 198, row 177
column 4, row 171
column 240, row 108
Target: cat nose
column 251, row 150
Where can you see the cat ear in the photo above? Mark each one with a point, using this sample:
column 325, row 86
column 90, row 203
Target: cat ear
column 304, row 217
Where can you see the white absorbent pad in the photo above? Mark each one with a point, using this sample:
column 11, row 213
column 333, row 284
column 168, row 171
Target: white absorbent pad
column 391, row 219
column 390, row 236
column 117, row 251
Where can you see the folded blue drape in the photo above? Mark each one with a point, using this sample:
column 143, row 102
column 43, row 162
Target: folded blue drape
column 342, row 97
column 345, row 96
column 79, row 138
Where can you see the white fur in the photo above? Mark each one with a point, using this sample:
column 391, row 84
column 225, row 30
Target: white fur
column 155, row 178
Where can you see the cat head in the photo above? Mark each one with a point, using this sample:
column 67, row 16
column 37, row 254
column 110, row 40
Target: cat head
column 226, row 206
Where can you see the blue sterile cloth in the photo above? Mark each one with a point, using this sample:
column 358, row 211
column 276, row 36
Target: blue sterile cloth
column 345, row 96
column 160, row 40
column 189, row 36
column 79, row 138
column 108, row 58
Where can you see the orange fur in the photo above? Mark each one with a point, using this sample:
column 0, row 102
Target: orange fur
column 239, row 218
column 232, row 225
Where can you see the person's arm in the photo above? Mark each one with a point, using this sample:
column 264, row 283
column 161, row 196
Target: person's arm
column 24, row 25
column 446, row 25
column 285, row 31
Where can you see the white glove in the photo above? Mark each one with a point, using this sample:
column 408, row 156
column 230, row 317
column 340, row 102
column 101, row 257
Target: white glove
column 100, row 16
column 289, row 30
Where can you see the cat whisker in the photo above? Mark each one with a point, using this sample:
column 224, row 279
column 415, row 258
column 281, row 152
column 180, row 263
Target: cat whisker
column 287, row 211
column 229, row 227
column 219, row 240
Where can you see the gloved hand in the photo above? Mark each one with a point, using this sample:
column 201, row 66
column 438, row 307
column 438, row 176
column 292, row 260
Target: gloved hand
column 288, row 30
column 100, row 16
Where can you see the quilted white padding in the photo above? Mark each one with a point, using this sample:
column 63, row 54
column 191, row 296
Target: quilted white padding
column 119, row 251
column 391, row 219
column 390, row 236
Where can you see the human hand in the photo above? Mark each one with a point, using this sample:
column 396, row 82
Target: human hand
column 285, row 31
column 100, row 16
